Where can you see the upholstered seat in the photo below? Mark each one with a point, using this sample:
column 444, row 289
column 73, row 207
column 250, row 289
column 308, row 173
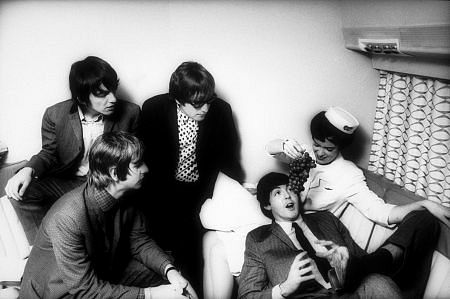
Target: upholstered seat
column 14, row 246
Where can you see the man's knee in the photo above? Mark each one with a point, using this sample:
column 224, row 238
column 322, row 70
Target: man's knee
column 378, row 286
column 424, row 221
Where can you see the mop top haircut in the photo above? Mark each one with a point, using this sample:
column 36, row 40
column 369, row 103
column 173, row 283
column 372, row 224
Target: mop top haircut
column 113, row 149
column 265, row 185
column 86, row 76
column 191, row 83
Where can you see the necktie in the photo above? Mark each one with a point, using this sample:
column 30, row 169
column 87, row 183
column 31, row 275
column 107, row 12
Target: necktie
column 322, row 264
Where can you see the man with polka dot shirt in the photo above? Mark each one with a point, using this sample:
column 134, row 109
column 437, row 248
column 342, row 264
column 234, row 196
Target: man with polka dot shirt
column 190, row 137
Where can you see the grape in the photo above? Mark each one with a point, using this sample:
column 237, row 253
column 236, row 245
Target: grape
column 299, row 172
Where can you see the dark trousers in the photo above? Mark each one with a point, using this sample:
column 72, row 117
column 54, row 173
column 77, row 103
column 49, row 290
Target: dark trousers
column 372, row 286
column 37, row 200
column 417, row 235
column 174, row 223
column 138, row 275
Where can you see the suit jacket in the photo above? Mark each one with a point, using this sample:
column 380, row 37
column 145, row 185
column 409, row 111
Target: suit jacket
column 62, row 139
column 269, row 253
column 217, row 145
column 83, row 245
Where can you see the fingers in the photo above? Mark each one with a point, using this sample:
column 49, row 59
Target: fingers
column 326, row 243
column 300, row 256
column 23, row 188
column 293, row 149
column 11, row 190
column 303, row 263
column 305, row 270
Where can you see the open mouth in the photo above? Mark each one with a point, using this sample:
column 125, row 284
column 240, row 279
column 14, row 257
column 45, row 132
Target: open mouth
column 290, row 205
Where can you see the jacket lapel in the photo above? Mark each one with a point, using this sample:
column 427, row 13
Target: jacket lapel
column 108, row 125
column 173, row 125
column 279, row 233
column 75, row 123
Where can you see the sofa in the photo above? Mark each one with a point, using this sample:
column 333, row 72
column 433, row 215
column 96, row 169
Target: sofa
column 220, row 214
column 14, row 246
column 370, row 235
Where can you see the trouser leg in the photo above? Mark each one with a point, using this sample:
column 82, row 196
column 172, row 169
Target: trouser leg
column 375, row 286
column 37, row 200
column 174, row 223
column 138, row 275
column 417, row 235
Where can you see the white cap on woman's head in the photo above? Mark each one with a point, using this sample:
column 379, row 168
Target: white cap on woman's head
column 342, row 119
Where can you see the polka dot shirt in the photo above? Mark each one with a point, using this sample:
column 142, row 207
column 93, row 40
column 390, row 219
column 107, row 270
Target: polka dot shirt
column 187, row 170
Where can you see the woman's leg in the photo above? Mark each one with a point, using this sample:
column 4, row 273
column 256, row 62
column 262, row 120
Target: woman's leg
column 218, row 281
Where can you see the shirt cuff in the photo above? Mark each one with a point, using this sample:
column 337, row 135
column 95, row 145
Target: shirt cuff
column 383, row 215
column 276, row 292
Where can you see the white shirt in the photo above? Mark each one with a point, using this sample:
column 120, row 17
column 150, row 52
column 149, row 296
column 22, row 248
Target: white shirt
column 91, row 129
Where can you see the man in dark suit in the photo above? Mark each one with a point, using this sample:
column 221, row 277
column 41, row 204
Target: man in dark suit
column 68, row 130
column 190, row 136
column 303, row 255
column 93, row 242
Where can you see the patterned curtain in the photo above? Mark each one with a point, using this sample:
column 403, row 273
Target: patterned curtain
column 411, row 136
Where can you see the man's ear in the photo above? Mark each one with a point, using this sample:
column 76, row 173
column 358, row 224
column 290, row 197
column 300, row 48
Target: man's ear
column 268, row 208
column 113, row 173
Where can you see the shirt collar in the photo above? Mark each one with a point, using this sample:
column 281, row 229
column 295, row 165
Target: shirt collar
column 287, row 225
column 83, row 117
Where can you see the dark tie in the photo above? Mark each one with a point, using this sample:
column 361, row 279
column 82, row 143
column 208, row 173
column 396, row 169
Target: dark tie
column 322, row 264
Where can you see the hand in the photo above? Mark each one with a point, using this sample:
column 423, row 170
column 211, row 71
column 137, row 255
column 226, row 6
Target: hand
column 9, row 292
column 300, row 271
column 16, row 186
column 438, row 210
column 181, row 285
column 292, row 149
column 337, row 256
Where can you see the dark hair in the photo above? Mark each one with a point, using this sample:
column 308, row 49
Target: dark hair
column 265, row 185
column 322, row 129
column 87, row 75
column 113, row 149
column 191, row 82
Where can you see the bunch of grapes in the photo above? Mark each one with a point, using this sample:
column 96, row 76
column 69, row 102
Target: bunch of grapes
column 299, row 172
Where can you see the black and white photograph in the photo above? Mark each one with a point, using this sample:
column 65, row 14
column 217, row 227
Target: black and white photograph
column 224, row 149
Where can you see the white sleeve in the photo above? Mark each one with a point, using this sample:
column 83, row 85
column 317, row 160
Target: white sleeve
column 367, row 202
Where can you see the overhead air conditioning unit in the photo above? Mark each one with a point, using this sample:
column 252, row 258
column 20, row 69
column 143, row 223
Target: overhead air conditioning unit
column 432, row 41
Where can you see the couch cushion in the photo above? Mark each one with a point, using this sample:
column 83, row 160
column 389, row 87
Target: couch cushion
column 392, row 193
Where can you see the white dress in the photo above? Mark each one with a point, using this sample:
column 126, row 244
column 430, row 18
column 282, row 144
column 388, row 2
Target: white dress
column 330, row 187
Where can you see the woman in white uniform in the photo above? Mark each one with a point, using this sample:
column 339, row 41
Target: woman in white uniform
column 336, row 182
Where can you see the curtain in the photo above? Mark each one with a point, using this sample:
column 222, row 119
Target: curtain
column 411, row 134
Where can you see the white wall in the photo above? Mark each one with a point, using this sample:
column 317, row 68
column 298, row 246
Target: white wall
column 394, row 13
column 276, row 62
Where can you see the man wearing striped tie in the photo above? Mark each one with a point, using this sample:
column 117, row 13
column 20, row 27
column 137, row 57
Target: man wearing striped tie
column 306, row 255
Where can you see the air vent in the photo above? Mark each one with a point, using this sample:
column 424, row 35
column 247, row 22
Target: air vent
column 379, row 46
